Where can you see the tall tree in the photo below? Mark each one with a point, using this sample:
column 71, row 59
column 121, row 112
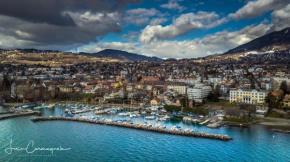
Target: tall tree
column 283, row 87
column 271, row 100
column 5, row 83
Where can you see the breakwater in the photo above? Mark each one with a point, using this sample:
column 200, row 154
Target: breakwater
column 140, row 127
column 19, row 115
column 8, row 112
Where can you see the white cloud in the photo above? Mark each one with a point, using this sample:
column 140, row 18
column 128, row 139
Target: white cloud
column 180, row 26
column 158, row 21
column 141, row 16
column 173, row 5
column 281, row 18
column 258, row 7
column 217, row 43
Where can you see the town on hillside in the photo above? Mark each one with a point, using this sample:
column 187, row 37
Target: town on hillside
column 237, row 92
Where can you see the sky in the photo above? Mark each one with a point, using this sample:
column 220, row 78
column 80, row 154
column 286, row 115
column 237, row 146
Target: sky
column 162, row 28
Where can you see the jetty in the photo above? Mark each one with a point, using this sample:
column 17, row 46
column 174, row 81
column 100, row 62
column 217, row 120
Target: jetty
column 204, row 122
column 8, row 112
column 19, row 115
column 140, row 127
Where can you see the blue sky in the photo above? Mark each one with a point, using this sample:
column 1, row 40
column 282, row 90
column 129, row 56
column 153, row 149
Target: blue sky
column 222, row 9
column 163, row 28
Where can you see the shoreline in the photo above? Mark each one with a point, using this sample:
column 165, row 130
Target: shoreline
column 278, row 122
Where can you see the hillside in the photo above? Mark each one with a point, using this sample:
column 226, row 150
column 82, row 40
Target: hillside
column 57, row 58
column 272, row 47
column 123, row 56
column 47, row 57
column 268, row 42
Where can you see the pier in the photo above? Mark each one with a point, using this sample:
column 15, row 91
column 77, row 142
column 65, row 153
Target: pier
column 140, row 127
column 19, row 115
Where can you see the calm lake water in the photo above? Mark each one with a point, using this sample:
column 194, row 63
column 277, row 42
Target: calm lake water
column 92, row 142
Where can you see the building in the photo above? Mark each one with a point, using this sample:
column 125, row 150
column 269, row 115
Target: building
column 249, row 96
column 276, row 82
column 155, row 101
column 130, row 87
column 214, row 80
column 286, row 100
column 179, row 87
column 198, row 93
column 66, row 89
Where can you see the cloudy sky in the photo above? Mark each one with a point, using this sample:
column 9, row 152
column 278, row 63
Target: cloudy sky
column 163, row 28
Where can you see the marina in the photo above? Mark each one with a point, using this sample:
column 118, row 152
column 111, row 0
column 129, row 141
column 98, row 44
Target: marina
column 104, row 139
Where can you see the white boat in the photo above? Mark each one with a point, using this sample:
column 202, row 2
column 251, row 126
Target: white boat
column 132, row 115
column 150, row 117
column 149, row 125
column 38, row 107
column 160, row 126
column 188, row 130
column 166, row 117
column 99, row 112
column 176, row 127
column 123, row 114
column 143, row 112
column 108, row 120
column 49, row 106
column 83, row 117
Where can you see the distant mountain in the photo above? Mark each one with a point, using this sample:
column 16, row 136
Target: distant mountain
column 272, row 47
column 123, row 56
column 265, row 43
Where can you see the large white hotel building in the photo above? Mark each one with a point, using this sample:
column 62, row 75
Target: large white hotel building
column 249, row 96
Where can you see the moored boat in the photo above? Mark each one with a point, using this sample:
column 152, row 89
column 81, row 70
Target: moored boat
column 150, row 117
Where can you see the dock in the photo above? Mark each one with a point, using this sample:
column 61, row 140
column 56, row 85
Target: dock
column 19, row 115
column 140, row 127
column 204, row 122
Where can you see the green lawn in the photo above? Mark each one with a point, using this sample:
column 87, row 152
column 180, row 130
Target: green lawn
column 274, row 115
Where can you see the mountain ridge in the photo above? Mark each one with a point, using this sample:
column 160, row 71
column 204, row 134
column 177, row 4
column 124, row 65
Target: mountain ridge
column 124, row 55
column 274, row 38
column 271, row 47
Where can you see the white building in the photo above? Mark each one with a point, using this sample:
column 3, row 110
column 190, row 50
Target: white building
column 247, row 96
column 179, row 87
column 223, row 89
column 198, row 93
column 276, row 82
column 124, row 72
column 268, row 86
column 214, row 80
